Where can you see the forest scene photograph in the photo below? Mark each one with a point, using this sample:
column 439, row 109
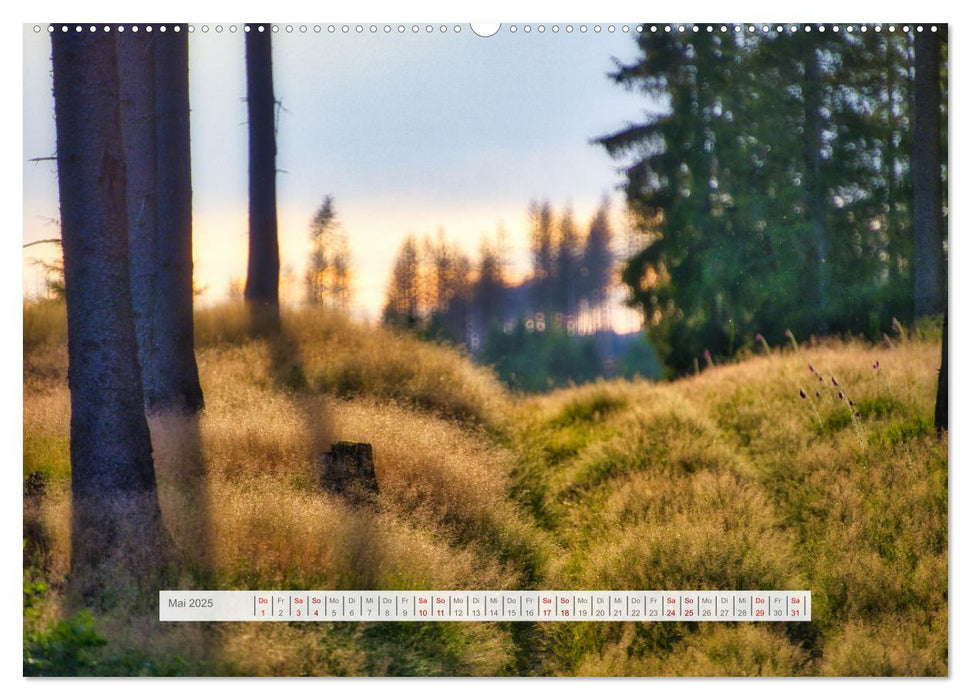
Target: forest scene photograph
column 421, row 307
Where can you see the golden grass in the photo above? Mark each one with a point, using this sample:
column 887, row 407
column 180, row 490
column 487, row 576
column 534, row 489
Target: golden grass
column 239, row 493
column 722, row 480
column 714, row 650
column 728, row 480
column 324, row 351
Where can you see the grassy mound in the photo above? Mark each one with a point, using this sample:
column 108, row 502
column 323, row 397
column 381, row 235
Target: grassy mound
column 239, row 494
column 728, row 479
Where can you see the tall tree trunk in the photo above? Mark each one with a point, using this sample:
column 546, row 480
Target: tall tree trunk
column 940, row 408
column 154, row 85
column 136, row 86
column 929, row 290
column 815, row 187
column 116, row 535
column 176, row 388
column 263, row 272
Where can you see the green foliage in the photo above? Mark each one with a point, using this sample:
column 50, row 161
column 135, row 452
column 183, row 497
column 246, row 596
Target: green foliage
column 901, row 432
column 73, row 647
column 836, row 420
column 929, row 328
column 717, row 481
column 48, row 454
column 725, row 481
column 69, row 648
column 772, row 179
column 540, row 361
column 34, row 591
column 594, row 409
column 639, row 360
column 878, row 407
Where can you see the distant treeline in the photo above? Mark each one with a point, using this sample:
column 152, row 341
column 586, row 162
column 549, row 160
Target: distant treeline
column 786, row 179
column 546, row 331
column 436, row 288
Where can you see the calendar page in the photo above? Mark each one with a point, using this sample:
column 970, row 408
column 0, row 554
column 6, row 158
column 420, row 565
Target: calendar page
column 516, row 349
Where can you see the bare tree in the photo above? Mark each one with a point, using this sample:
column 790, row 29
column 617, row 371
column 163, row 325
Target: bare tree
column 263, row 271
column 154, row 86
column 116, row 535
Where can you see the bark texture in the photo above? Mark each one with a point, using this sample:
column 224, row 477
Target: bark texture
column 155, row 125
column 929, row 286
column 116, row 536
column 178, row 386
column 263, row 271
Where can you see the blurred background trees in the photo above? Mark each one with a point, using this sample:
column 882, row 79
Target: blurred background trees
column 328, row 275
column 783, row 180
column 776, row 185
column 546, row 330
column 787, row 179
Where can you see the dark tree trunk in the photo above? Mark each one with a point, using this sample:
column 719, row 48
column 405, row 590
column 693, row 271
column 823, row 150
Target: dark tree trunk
column 155, row 126
column 929, row 289
column 178, row 386
column 815, row 186
column 136, row 85
column 263, row 272
column 940, row 408
column 116, row 535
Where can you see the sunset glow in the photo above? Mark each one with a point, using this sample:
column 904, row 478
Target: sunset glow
column 405, row 142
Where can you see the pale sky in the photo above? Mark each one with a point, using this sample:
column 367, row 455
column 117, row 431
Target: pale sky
column 409, row 133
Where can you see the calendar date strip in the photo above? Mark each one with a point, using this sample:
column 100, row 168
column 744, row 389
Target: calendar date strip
column 485, row 606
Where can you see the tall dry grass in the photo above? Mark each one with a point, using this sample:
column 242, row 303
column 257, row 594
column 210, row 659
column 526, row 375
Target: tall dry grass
column 326, row 352
column 240, row 495
column 728, row 480
column 723, row 480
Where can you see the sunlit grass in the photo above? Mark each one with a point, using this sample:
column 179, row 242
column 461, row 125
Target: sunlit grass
column 726, row 480
column 324, row 351
column 722, row 480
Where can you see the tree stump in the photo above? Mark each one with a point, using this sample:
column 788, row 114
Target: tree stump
column 348, row 469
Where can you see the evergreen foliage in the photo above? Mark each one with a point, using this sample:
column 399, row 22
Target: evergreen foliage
column 772, row 178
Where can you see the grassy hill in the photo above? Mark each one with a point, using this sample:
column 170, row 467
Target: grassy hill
column 727, row 479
